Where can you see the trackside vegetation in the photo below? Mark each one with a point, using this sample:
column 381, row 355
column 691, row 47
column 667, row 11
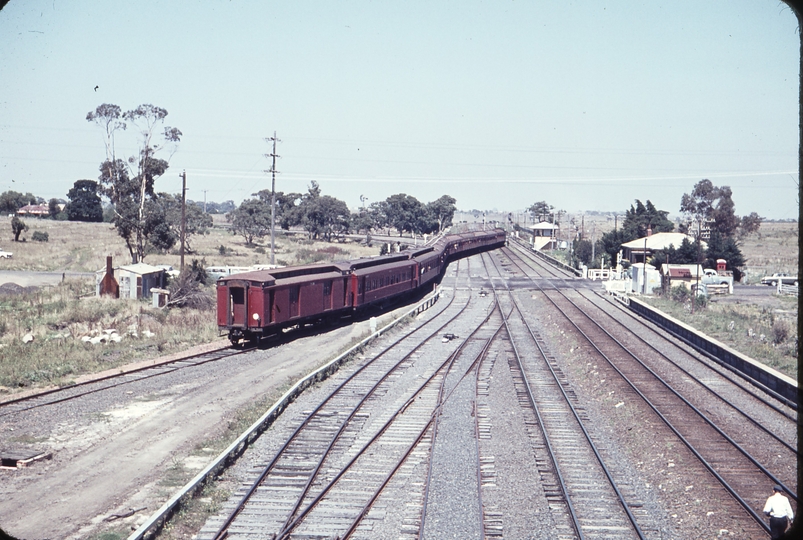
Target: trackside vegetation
column 45, row 333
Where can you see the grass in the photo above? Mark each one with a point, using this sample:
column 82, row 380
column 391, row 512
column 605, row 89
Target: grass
column 774, row 248
column 766, row 334
column 58, row 317
column 83, row 247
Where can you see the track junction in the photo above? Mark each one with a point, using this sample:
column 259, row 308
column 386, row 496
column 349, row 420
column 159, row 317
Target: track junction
column 528, row 406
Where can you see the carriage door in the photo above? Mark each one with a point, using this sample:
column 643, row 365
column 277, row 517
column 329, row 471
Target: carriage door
column 237, row 310
column 327, row 295
column 294, row 300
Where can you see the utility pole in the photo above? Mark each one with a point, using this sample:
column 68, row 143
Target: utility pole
column 272, row 171
column 183, row 176
column 205, row 200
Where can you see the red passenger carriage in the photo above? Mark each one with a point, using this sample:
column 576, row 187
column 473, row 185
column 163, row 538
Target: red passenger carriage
column 254, row 304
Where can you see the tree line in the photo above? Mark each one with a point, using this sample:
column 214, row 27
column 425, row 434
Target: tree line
column 148, row 220
column 328, row 218
column 706, row 208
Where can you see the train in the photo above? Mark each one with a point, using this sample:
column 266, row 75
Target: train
column 263, row 303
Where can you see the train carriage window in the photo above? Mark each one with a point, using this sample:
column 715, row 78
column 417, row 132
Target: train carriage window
column 327, row 288
column 360, row 286
column 237, row 295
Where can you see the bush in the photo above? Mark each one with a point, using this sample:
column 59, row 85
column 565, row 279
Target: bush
column 679, row 293
column 781, row 330
column 39, row 236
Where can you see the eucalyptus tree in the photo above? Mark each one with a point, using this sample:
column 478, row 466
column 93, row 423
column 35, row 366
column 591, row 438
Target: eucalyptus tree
column 129, row 183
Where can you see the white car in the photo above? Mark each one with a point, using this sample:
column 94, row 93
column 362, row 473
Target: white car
column 774, row 279
column 5, row 254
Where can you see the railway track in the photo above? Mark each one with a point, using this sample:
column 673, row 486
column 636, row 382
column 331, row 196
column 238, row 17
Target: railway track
column 400, row 455
column 774, row 435
column 364, row 429
column 735, row 467
column 584, row 497
column 109, row 382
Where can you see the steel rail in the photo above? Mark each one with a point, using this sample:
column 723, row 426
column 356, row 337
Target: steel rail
column 710, row 422
column 741, row 376
column 701, row 350
column 446, row 364
column 160, row 517
column 476, row 414
column 685, row 401
column 691, row 447
column 710, row 390
column 115, row 376
column 666, row 421
column 439, row 409
column 436, row 413
column 269, row 467
column 354, row 411
column 607, row 472
column 536, row 410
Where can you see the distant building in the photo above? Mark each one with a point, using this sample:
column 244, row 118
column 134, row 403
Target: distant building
column 545, row 235
column 36, row 210
column 641, row 249
column 135, row 280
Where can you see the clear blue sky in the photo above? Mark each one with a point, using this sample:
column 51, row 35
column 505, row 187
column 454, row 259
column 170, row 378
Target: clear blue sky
column 587, row 105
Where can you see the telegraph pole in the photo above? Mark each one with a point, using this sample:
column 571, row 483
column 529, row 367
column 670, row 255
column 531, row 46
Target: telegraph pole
column 183, row 176
column 205, row 200
column 272, row 172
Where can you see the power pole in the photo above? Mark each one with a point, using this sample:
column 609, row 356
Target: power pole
column 183, row 176
column 205, row 200
column 272, row 171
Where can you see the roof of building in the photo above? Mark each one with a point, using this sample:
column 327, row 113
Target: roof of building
column 659, row 241
column 140, row 268
column 545, row 225
column 34, row 209
column 681, row 270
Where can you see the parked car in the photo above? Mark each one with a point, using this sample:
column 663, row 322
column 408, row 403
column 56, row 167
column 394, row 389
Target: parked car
column 5, row 254
column 776, row 278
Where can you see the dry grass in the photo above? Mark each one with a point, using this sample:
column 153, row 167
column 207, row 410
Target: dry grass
column 58, row 317
column 766, row 333
column 83, row 247
column 774, row 248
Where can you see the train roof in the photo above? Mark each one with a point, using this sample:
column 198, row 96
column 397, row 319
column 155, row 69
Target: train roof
column 418, row 252
column 376, row 261
column 403, row 263
column 289, row 272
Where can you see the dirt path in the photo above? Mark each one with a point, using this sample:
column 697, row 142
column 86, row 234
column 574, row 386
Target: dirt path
column 109, row 458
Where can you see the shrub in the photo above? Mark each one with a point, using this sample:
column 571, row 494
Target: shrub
column 308, row 256
column 679, row 293
column 781, row 330
column 39, row 236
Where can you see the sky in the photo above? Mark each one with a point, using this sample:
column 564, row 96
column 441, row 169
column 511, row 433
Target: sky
column 587, row 105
